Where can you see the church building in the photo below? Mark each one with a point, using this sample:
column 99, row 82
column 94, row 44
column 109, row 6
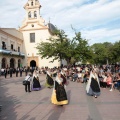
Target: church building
column 20, row 47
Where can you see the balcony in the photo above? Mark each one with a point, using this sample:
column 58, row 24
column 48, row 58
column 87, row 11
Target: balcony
column 9, row 52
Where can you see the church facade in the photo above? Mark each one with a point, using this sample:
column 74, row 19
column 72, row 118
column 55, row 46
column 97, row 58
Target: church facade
column 32, row 31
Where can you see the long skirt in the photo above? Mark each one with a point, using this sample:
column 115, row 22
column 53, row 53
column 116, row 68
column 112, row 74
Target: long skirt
column 95, row 88
column 49, row 81
column 54, row 100
column 48, row 85
column 59, row 96
column 36, row 85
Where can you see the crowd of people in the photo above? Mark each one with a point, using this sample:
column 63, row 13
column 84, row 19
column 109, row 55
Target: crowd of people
column 17, row 71
column 94, row 77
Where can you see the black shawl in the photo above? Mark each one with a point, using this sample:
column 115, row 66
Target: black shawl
column 60, row 92
column 36, row 83
column 94, row 85
column 49, row 80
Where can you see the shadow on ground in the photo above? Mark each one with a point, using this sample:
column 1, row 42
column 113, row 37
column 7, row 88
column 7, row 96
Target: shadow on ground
column 9, row 103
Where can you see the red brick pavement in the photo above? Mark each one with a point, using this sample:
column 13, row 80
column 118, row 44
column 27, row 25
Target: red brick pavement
column 19, row 105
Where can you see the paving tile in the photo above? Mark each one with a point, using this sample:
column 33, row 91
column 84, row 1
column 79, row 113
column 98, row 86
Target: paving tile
column 19, row 105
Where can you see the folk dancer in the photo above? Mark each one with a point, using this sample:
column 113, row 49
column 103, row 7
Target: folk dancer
column 49, row 80
column 59, row 96
column 93, row 86
column 35, row 82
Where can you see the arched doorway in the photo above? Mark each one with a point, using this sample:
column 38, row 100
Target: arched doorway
column 33, row 63
column 12, row 63
column 4, row 63
column 19, row 62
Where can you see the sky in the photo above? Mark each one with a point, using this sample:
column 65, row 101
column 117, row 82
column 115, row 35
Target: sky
column 97, row 20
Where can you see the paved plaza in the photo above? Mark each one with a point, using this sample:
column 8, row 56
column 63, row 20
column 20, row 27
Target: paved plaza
column 19, row 105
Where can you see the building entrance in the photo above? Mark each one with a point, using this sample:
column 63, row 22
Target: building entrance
column 33, row 63
column 12, row 63
column 3, row 63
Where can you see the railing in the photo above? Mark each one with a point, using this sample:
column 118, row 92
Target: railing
column 12, row 52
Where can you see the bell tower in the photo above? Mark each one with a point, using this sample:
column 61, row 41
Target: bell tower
column 32, row 8
column 32, row 19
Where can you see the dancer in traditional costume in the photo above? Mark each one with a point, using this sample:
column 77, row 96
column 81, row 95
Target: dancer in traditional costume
column 35, row 82
column 49, row 80
column 59, row 96
column 93, row 86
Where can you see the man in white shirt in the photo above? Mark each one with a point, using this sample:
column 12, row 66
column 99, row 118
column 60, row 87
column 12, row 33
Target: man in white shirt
column 28, row 78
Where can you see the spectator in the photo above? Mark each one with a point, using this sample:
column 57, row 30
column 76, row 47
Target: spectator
column 109, row 81
column 5, row 72
column 27, row 86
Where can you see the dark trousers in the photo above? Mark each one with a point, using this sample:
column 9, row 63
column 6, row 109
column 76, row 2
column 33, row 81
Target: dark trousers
column 27, row 87
column 5, row 75
column 20, row 74
column 26, row 73
column 10, row 74
column 101, row 83
column 16, row 74
column 104, row 84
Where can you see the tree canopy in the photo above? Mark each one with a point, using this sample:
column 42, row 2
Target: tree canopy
column 61, row 47
column 106, row 53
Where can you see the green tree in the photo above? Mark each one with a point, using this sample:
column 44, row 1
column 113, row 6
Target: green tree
column 102, row 53
column 80, row 48
column 55, row 46
column 60, row 47
column 116, row 52
column 97, row 52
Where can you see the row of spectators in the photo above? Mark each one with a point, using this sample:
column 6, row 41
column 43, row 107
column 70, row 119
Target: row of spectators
column 107, row 77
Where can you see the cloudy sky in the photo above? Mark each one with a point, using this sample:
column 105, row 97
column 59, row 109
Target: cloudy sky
column 97, row 20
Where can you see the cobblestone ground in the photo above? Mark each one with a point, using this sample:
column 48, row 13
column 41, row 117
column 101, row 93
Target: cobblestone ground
column 19, row 105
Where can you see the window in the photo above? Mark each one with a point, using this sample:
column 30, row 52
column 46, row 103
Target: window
column 32, row 25
column 29, row 14
column 32, row 37
column 18, row 49
column 35, row 14
column 31, row 3
column 3, row 45
column 11, row 46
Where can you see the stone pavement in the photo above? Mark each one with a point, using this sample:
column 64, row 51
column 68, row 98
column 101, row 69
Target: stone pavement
column 19, row 105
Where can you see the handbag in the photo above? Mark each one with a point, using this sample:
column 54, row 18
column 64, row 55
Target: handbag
column 25, row 82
